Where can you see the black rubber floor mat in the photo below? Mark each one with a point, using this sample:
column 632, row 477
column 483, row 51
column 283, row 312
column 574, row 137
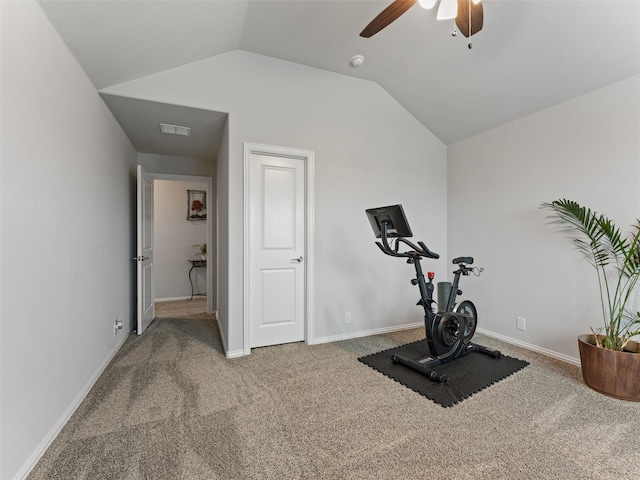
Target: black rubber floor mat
column 466, row 375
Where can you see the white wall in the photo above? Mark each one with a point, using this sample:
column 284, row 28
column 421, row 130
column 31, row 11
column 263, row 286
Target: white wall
column 66, row 206
column 369, row 152
column 587, row 150
column 174, row 237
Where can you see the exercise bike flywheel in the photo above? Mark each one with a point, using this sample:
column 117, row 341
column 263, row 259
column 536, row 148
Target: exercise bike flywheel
column 469, row 309
column 449, row 329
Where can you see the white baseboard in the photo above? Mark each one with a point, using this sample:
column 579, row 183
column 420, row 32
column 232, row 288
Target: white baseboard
column 529, row 346
column 344, row 336
column 497, row 336
column 234, row 354
column 64, row 418
column 222, row 334
column 379, row 331
column 364, row 333
column 225, row 348
column 171, row 299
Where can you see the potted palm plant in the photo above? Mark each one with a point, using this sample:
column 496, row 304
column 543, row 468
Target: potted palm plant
column 203, row 250
column 609, row 357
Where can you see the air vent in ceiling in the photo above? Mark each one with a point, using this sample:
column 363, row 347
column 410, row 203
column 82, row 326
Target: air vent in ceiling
column 175, row 130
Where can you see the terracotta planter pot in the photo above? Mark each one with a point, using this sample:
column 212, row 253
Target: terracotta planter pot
column 612, row 373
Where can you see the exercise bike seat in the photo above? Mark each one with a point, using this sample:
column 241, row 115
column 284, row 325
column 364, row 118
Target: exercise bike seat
column 467, row 260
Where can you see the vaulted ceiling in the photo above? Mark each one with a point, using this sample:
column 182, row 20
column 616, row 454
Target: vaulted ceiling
column 531, row 54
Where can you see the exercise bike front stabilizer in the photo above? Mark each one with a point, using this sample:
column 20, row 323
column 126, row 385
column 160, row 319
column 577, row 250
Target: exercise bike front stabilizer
column 449, row 331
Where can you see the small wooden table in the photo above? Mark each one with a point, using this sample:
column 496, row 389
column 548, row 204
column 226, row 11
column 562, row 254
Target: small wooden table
column 196, row 263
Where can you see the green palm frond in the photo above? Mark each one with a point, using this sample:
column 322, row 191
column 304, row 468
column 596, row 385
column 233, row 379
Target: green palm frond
column 632, row 255
column 576, row 218
column 617, row 262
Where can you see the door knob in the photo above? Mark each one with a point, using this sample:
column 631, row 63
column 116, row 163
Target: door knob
column 299, row 259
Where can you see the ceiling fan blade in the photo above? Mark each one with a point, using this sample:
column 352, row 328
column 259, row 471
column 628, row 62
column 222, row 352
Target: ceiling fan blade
column 387, row 16
column 470, row 17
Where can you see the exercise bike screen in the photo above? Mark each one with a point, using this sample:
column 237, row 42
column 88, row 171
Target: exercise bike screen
column 394, row 217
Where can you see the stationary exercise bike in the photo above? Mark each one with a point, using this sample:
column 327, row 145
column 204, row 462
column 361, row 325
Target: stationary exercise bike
column 448, row 332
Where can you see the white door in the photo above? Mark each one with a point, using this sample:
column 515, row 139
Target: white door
column 277, row 249
column 144, row 258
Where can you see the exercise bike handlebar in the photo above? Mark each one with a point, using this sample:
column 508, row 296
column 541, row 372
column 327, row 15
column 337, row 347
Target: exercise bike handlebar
column 428, row 252
column 420, row 250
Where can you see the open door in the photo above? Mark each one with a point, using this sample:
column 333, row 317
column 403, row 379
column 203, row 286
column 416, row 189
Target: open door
column 144, row 258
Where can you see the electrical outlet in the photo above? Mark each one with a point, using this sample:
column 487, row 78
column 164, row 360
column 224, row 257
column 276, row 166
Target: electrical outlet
column 117, row 326
column 347, row 317
column 521, row 323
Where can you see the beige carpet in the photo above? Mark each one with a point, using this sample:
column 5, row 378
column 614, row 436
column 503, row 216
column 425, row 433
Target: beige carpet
column 171, row 406
column 195, row 308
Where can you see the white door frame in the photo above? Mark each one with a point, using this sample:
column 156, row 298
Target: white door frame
column 211, row 240
column 308, row 157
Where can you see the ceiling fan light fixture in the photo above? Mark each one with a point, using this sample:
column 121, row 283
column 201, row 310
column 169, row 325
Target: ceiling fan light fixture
column 427, row 4
column 448, row 9
column 468, row 15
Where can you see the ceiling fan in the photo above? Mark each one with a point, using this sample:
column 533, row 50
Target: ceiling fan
column 468, row 14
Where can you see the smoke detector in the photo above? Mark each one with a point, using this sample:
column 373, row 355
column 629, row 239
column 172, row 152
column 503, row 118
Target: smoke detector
column 357, row 60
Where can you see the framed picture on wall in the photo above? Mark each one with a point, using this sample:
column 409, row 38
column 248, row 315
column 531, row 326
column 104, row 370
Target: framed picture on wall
column 196, row 205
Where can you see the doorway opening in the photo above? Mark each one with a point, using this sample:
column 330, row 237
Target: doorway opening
column 180, row 234
column 180, row 239
column 178, row 271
